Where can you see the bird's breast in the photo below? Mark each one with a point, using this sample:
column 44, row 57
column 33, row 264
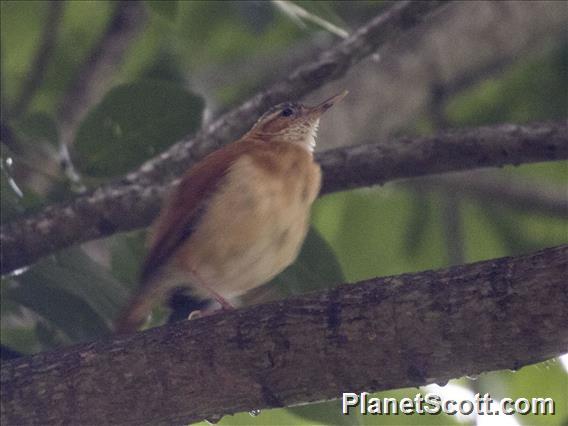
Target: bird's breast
column 254, row 225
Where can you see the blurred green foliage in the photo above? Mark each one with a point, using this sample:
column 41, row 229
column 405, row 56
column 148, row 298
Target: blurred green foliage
column 134, row 122
column 71, row 297
column 530, row 91
column 166, row 8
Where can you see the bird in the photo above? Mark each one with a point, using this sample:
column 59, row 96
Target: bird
column 237, row 218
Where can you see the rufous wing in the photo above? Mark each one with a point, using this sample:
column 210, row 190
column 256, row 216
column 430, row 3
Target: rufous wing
column 175, row 224
column 184, row 207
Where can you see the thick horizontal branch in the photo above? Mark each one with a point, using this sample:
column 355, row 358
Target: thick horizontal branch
column 385, row 333
column 491, row 146
column 124, row 207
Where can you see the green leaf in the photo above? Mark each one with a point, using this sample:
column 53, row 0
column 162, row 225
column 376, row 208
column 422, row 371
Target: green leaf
column 316, row 268
column 420, row 214
column 134, row 122
column 11, row 200
column 166, row 8
column 127, row 254
column 48, row 335
column 21, row 339
column 75, row 295
column 276, row 417
column 15, row 334
column 39, row 127
column 525, row 92
column 327, row 413
column 75, row 272
column 15, row 199
column 543, row 380
column 508, row 230
column 73, row 316
column 165, row 66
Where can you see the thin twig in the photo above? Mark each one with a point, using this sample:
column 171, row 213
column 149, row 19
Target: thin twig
column 99, row 67
column 298, row 12
column 518, row 192
column 40, row 62
column 401, row 18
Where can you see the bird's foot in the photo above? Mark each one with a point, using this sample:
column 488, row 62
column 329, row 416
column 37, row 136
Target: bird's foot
column 201, row 313
column 195, row 314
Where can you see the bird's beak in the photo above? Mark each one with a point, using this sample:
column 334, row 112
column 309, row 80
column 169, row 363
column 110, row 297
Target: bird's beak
column 318, row 110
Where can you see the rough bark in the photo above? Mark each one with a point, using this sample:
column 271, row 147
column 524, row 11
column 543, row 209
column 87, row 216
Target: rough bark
column 491, row 146
column 124, row 207
column 385, row 333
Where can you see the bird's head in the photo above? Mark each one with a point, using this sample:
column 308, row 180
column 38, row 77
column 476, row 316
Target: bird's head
column 293, row 122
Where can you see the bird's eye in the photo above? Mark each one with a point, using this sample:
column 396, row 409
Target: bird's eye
column 287, row 112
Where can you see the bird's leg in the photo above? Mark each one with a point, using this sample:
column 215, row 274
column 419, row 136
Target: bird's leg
column 225, row 305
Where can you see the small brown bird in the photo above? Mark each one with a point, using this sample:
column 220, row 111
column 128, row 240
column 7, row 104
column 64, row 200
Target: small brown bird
column 238, row 217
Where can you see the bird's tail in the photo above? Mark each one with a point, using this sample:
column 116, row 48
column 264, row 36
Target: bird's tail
column 138, row 309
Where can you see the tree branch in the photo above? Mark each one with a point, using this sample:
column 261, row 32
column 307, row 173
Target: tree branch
column 89, row 85
column 385, row 333
column 331, row 64
column 516, row 191
column 490, row 146
column 123, row 207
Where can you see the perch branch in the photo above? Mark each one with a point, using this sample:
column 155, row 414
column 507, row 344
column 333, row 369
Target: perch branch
column 384, row 333
column 123, row 207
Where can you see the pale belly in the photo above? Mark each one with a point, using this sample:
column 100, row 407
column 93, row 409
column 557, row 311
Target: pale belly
column 250, row 233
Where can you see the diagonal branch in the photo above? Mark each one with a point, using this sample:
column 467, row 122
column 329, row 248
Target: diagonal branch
column 398, row 19
column 91, row 80
column 123, row 207
column 426, row 327
column 41, row 60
